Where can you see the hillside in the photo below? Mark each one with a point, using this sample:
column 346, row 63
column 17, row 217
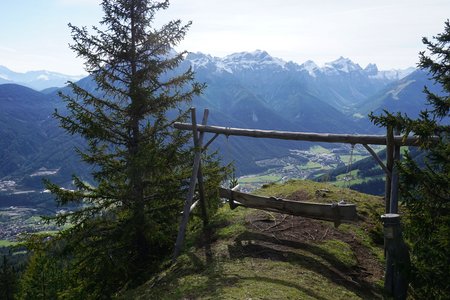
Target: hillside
column 264, row 255
column 32, row 145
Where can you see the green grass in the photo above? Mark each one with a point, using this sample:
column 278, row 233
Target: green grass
column 346, row 184
column 48, row 232
column 246, row 278
column 260, row 179
column 341, row 251
column 341, row 180
column 310, row 165
column 319, row 150
column 346, row 158
column 6, row 243
column 306, row 186
column 289, row 167
column 364, row 237
column 229, row 223
column 34, row 220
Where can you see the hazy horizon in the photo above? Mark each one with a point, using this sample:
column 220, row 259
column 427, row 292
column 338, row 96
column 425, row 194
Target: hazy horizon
column 387, row 33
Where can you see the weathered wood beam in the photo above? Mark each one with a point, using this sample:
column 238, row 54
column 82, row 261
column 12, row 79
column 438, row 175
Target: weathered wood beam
column 393, row 208
column 201, row 187
column 192, row 184
column 210, row 141
column 303, row 136
column 233, row 204
column 378, row 160
column 236, row 188
column 389, row 166
column 331, row 212
column 193, row 205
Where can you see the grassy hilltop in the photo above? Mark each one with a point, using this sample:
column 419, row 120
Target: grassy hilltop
column 266, row 255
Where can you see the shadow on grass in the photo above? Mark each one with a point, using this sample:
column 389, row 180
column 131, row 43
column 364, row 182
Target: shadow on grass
column 217, row 280
column 257, row 245
column 287, row 284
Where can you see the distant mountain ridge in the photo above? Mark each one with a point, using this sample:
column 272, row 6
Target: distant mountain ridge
column 259, row 59
column 341, row 83
column 246, row 89
column 390, row 98
column 31, row 142
column 37, row 80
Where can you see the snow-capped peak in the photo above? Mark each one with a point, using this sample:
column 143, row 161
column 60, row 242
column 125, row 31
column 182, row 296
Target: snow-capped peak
column 261, row 60
column 393, row 74
column 371, row 69
column 310, row 67
column 342, row 64
column 37, row 80
column 43, row 77
column 235, row 62
column 199, row 59
column 256, row 55
column 252, row 60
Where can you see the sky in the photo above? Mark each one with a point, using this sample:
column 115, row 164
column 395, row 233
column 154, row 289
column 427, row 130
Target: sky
column 34, row 34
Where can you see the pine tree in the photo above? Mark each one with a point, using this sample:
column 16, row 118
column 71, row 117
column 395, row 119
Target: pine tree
column 126, row 220
column 43, row 277
column 425, row 190
column 8, row 279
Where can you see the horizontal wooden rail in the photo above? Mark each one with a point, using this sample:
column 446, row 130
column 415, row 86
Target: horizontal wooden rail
column 336, row 212
column 304, row 136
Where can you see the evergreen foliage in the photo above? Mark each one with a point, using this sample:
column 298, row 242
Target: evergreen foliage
column 372, row 187
column 8, row 279
column 43, row 278
column 126, row 219
column 13, row 261
column 425, row 189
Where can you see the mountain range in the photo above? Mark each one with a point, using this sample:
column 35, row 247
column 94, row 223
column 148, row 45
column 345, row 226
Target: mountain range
column 247, row 89
column 37, row 80
column 342, row 83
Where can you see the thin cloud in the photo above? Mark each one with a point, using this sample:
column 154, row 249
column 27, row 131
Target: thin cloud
column 79, row 2
column 7, row 49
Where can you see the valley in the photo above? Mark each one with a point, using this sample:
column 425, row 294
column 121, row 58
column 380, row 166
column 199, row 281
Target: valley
column 312, row 164
column 15, row 222
column 20, row 210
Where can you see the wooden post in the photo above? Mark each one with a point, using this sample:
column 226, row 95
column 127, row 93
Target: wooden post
column 200, row 174
column 378, row 160
column 210, row 141
column 397, row 258
column 192, row 184
column 389, row 165
column 395, row 249
column 393, row 208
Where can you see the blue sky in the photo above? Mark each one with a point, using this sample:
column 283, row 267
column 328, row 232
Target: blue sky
column 34, row 34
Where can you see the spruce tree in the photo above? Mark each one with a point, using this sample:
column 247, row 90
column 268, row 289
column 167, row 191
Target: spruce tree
column 8, row 279
column 126, row 218
column 43, row 278
column 424, row 187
